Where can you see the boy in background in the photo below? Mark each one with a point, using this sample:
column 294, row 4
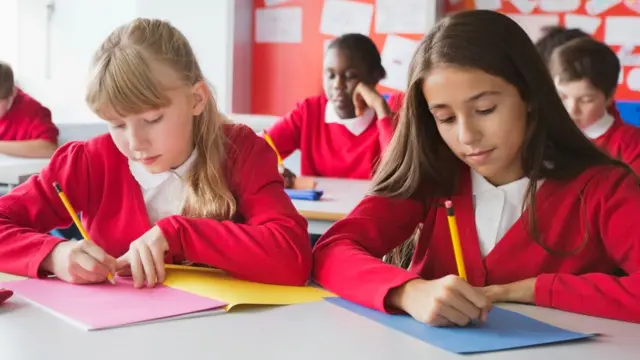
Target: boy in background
column 586, row 73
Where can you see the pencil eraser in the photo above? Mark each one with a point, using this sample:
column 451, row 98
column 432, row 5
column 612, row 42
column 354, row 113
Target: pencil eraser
column 448, row 204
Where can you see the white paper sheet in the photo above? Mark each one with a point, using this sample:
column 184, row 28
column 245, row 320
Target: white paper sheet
column 279, row 25
column 488, row 4
column 396, row 56
column 559, row 5
column 524, row 6
column 588, row 24
column 275, row 2
column 342, row 17
column 622, row 30
column 627, row 57
column 405, row 16
column 596, row 7
column 633, row 79
column 533, row 24
column 633, row 5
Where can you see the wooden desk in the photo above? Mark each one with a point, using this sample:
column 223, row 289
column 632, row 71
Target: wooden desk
column 14, row 169
column 308, row 331
column 340, row 197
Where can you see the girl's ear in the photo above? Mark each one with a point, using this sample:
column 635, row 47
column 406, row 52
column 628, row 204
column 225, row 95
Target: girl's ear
column 200, row 95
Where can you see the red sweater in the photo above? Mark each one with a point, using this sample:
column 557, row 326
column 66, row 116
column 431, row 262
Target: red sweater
column 330, row 150
column 27, row 120
column 347, row 257
column 622, row 141
column 267, row 241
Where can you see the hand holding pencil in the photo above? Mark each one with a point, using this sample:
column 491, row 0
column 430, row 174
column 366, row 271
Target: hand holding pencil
column 79, row 262
column 447, row 301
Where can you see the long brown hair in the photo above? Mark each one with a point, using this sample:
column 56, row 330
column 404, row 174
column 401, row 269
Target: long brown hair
column 418, row 163
column 122, row 80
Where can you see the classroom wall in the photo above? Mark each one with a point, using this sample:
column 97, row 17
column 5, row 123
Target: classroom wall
column 285, row 73
column 54, row 55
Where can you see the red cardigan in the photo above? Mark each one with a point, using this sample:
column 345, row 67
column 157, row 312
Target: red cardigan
column 347, row 257
column 27, row 119
column 622, row 141
column 267, row 241
column 330, row 150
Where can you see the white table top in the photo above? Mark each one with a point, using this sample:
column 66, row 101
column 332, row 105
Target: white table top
column 12, row 168
column 340, row 197
column 317, row 330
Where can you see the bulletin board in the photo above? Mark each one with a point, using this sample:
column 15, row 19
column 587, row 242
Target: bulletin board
column 615, row 22
column 290, row 69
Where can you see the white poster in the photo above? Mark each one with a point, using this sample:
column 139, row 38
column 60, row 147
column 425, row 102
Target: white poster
column 633, row 79
column 588, row 24
column 559, row 6
column 596, row 7
column 396, row 56
column 524, row 6
column 622, row 30
column 342, row 17
column 488, row 4
column 275, row 2
column 405, row 16
column 279, row 25
column 533, row 24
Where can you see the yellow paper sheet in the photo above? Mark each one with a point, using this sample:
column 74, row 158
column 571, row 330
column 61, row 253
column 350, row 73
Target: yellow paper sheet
column 8, row 277
column 218, row 285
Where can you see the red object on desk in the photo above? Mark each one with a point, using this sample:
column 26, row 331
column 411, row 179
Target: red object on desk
column 5, row 294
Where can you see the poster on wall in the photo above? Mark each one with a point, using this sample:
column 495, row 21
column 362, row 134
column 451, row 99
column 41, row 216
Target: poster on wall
column 342, row 17
column 615, row 22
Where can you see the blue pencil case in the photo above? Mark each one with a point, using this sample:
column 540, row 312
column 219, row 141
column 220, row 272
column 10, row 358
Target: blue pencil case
column 313, row 195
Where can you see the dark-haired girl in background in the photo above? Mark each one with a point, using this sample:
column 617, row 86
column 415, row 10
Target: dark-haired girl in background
column 343, row 132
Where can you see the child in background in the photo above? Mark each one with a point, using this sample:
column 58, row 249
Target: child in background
column 173, row 182
column 586, row 74
column 26, row 129
column 554, row 37
column 544, row 217
column 343, row 132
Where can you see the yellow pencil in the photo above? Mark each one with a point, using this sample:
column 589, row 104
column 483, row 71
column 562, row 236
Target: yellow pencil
column 455, row 238
column 76, row 221
column 269, row 141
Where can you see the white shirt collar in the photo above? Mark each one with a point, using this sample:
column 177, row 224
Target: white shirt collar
column 356, row 125
column 148, row 180
column 479, row 185
column 599, row 127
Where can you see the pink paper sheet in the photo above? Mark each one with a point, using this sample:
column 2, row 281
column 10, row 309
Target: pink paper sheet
column 100, row 306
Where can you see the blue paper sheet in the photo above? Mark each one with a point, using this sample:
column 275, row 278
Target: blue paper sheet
column 503, row 330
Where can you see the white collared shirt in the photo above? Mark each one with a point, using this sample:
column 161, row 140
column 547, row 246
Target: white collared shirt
column 356, row 125
column 599, row 127
column 163, row 193
column 496, row 208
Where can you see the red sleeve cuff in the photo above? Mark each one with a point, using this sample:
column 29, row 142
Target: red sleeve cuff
column 543, row 289
column 47, row 246
column 171, row 233
column 380, row 297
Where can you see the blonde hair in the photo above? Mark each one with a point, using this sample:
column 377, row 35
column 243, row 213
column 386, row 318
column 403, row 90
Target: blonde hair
column 122, row 81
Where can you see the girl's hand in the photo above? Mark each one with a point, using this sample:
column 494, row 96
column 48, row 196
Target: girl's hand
column 518, row 292
column 444, row 302
column 288, row 175
column 145, row 259
column 365, row 96
column 79, row 262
